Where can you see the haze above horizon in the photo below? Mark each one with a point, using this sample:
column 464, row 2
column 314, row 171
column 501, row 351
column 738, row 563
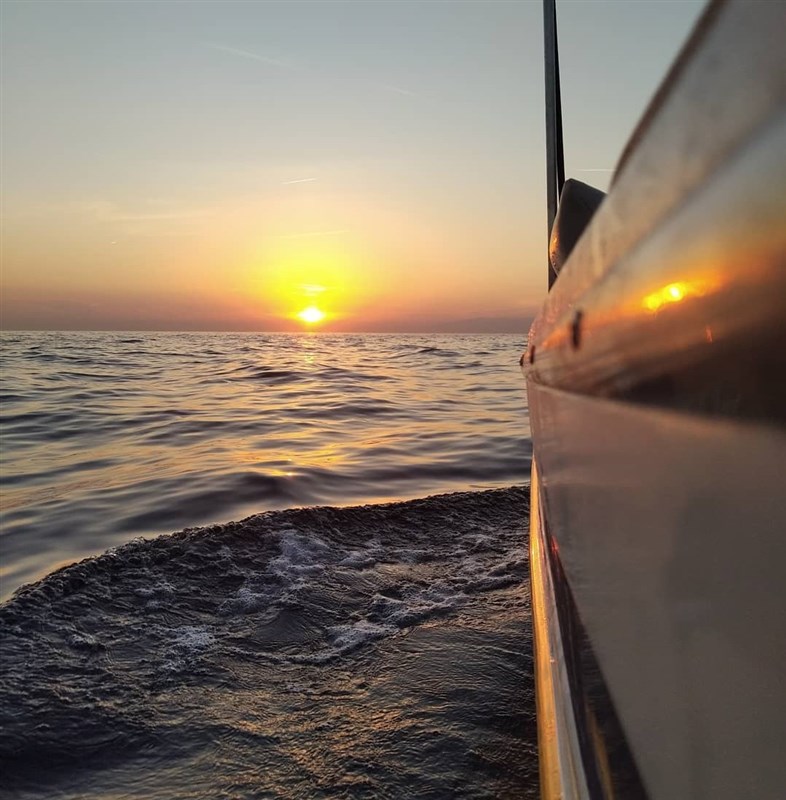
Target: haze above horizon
column 286, row 166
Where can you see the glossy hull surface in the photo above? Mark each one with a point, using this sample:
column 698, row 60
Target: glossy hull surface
column 656, row 378
column 670, row 532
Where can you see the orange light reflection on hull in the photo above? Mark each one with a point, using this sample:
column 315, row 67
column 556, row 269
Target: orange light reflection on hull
column 677, row 292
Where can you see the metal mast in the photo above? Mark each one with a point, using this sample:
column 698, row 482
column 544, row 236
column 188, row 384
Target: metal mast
column 555, row 162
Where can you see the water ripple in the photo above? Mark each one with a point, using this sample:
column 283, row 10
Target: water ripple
column 108, row 436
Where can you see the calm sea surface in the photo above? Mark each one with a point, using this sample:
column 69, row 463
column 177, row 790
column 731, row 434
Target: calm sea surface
column 110, row 436
column 335, row 651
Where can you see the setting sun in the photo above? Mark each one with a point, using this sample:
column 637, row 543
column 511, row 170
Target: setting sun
column 311, row 315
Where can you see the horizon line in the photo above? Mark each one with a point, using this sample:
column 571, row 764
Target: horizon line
column 287, row 332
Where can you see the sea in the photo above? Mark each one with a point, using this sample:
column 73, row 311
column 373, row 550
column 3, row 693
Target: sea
column 245, row 565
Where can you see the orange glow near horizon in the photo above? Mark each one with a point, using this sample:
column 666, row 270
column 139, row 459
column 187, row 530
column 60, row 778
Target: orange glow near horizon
column 309, row 282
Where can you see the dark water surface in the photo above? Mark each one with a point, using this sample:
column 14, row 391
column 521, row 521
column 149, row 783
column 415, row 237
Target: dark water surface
column 110, row 436
column 382, row 651
column 334, row 651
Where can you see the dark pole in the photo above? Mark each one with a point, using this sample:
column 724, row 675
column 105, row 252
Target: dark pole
column 555, row 163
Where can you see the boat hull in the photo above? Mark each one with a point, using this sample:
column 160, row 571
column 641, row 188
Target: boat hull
column 656, row 379
column 668, row 530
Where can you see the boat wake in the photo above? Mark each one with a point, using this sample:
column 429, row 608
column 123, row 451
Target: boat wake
column 372, row 651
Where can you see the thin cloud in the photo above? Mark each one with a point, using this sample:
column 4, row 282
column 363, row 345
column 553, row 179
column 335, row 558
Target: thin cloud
column 288, row 65
column 297, row 180
column 397, row 89
column 236, row 51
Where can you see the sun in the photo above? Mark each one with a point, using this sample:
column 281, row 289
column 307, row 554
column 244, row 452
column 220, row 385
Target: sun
column 311, row 315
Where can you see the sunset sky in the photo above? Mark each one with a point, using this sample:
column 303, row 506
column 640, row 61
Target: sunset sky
column 358, row 166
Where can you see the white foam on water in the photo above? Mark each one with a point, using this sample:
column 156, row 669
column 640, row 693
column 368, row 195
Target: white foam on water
column 430, row 582
column 245, row 601
column 420, row 608
column 193, row 638
column 349, row 637
column 300, row 555
column 83, row 641
column 363, row 558
column 186, row 645
column 343, row 639
column 157, row 596
column 118, row 550
column 156, row 590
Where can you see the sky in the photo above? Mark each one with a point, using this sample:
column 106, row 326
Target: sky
column 347, row 166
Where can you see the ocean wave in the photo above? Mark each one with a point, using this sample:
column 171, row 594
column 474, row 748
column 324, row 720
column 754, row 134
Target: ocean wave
column 218, row 655
column 187, row 429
